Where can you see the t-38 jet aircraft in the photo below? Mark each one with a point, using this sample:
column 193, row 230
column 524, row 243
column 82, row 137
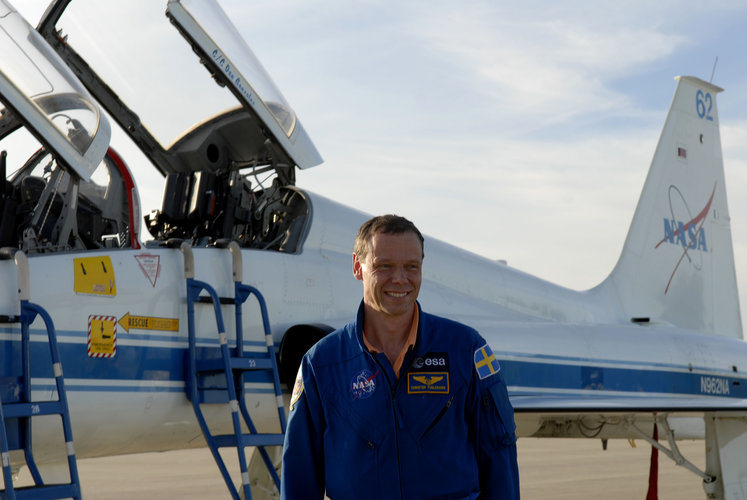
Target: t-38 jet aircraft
column 113, row 341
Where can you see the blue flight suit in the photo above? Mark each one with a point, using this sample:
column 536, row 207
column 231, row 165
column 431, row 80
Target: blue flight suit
column 443, row 430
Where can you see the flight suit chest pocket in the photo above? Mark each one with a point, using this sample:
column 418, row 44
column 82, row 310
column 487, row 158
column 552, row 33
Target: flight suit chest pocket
column 432, row 423
column 443, row 418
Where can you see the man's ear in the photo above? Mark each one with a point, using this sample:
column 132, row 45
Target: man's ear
column 357, row 268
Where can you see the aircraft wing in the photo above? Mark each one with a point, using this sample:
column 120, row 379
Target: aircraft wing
column 624, row 404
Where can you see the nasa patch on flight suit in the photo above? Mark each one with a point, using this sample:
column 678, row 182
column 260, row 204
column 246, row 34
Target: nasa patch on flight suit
column 363, row 384
column 297, row 389
column 429, row 374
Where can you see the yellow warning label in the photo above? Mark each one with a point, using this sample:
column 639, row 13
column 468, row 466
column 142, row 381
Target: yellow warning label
column 149, row 323
column 95, row 276
column 102, row 336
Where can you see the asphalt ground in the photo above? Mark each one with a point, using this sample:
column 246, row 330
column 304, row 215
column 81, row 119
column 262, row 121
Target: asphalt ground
column 549, row 469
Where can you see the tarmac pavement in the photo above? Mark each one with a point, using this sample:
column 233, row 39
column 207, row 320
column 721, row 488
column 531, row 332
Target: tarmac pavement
column 550, row 469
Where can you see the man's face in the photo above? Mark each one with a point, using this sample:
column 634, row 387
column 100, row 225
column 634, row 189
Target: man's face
column 390, row 272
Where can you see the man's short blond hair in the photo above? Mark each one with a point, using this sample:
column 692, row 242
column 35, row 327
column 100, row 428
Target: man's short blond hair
column 390, row 224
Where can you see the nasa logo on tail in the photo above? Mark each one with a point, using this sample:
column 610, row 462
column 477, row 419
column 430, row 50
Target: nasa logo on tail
column 684, row 230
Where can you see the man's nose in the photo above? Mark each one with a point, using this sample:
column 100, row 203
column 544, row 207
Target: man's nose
column 399, row 274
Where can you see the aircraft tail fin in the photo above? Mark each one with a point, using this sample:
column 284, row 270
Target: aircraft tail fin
column 677, row 264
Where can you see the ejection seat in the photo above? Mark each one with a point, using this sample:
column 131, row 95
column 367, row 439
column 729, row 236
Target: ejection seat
column 47, row 209
column 205, row 207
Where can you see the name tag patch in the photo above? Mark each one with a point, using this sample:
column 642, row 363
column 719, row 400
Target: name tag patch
column 428, row 383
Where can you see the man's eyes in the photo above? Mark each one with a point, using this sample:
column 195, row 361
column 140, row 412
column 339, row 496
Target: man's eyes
column 386, row 267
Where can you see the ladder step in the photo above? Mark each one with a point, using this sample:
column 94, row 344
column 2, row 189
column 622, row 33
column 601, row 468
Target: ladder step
column 246, row 364
column 48, row 491
column 229, row 440
column 17, row 410
column 204, row 299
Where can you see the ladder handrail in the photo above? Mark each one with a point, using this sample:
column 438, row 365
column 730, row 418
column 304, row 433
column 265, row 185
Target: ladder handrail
column 241, row 294
column 194, row 288
column 244, row 291
column 28, row 313
column 237, row 404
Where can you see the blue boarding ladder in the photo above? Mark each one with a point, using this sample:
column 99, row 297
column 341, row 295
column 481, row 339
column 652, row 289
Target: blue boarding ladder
column 216, row 374
column 17, row 408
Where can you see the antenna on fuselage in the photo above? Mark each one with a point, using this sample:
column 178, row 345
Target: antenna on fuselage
column 713, row 71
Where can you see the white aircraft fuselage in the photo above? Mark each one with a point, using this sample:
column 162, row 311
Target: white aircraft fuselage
column 658, row 342
column 552, row 342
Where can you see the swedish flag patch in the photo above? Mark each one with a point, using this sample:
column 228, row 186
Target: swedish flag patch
column 485, row 362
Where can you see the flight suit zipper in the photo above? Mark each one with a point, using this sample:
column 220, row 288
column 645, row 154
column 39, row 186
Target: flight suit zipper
column 440, row 414
column 398, row 421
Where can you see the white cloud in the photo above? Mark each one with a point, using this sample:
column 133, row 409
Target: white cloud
column 528, row 202
column 538, row 66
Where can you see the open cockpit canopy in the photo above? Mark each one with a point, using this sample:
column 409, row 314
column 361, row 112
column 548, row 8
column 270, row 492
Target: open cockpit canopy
column 40, row 91
column 227, row 140
column 151, row 82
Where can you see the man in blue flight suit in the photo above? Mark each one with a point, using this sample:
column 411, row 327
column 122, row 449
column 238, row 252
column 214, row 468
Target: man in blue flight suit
column 399, row 404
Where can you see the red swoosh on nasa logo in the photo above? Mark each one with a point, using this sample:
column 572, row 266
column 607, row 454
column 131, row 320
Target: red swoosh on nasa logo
column 700, row 218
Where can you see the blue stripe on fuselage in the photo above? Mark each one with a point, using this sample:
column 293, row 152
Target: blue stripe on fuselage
column 160, row 358
column 135, row 360
column 551, row 376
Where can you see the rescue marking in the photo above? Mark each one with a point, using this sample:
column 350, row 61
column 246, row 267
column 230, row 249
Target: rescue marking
column 94, row 276
column 102, row 336
column 149, row 323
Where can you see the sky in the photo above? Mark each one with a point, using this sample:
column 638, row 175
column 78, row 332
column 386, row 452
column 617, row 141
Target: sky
column 522, row 131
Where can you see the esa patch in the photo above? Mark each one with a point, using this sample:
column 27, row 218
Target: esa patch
column 297, row 389
column 485, row 362
column 363, row 384
column 432, row 361
column 428, row 383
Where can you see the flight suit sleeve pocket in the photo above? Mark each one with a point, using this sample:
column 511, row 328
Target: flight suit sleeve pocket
column 499, row 396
